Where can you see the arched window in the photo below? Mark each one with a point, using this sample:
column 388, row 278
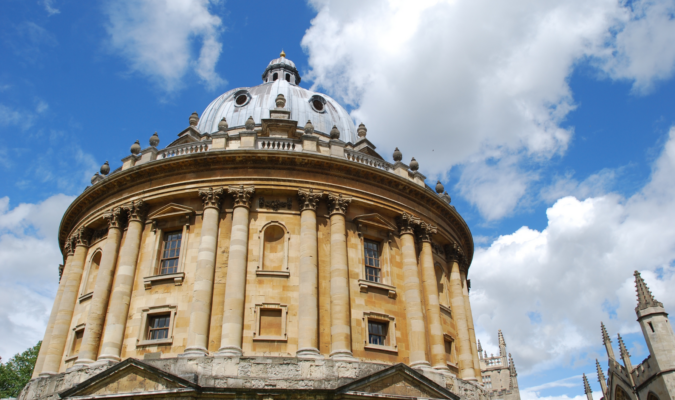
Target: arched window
column 274, row 239
column 652, row 396
column 275, row 76
column 288, row 77
column 621, row 394
column 94, row 263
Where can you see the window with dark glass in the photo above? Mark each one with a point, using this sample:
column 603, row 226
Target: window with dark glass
column 372, row 255
column 275, row 76
column 77, row 342
column 168, row 263
column 377, row 333
column 288, row 77
column 448, row 351
column 158, row 327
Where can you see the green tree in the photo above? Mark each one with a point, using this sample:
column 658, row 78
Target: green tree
column 15, row 373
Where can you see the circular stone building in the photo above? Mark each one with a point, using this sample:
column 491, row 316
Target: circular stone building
column 267, row 252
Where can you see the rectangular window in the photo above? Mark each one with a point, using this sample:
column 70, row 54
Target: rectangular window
column 372, row 255
column 270, row 323
column 77, row 342
column 377, row 333
column 448, row 351
column 168, row 263
column 158, row 327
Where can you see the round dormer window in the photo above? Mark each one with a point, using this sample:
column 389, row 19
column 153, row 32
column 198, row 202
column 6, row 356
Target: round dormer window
column 318, row 103
column 241, row 98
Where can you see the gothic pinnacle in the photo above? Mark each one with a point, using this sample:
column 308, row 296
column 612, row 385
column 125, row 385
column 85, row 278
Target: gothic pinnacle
column 512, row 366
column 645, row 297
column 587, row 388
column 622, row 347
column 601, row 378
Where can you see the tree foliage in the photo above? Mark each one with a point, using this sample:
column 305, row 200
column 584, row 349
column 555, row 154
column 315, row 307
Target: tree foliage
column 15, row 373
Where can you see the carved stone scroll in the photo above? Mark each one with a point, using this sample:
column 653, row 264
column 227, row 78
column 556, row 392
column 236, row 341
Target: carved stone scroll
column 275, row 204
column 136, row 210
column 211, row 198
column 309, row 199
column 337, row 203
column 242, row 195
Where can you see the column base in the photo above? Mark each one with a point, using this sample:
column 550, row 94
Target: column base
column 420, row 365
column 441, row 367
column 345, row 355
column 83, row 362
column 46, row 374
column 194, row 352
column 308, row 352
column 229, row 351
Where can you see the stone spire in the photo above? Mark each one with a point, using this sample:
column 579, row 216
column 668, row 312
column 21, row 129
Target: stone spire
column 512, row 366
column 625, row 356
column 601, row 378
column 587, row 389
column 502, row 344
column 607, row 342
column 480, row 350
column 645, row 297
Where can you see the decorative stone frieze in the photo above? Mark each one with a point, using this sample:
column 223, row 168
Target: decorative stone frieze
column 275, row 205
column 309, row 199
column 211, row 198
column 242, row 195
column 425, row 231
column 337, row 203
column 136, row 210
column 115, row 218
column 407, row 223
column 82, row 236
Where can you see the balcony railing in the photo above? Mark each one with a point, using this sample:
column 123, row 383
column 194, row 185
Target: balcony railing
column 184, row 149
column 279, row 144
column 366, row 159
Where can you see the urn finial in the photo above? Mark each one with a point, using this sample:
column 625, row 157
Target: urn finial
column 105, row 168
column 135, row 148
column 334, row 133
column 398, row 156
column 439, row 187
column 194, row 119
column 154, row 140
column 414, row 165
column 362, row 130
column 250, row 124
column 280, row 101
column 309, row 128
column 222, row 125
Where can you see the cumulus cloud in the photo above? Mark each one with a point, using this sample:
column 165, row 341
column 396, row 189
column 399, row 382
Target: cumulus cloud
column 595, row 185
column 29, row 259
column 485, row 82
column 548, row 290
column 157, row 38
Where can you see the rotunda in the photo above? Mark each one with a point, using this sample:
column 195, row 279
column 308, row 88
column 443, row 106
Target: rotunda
column 268, row 250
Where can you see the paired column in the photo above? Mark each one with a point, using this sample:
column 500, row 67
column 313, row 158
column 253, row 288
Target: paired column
column 235, row 287
column 118, row 312
column 198, row 330
column 99, row 302
column 57, row 342
column 308, row 309
column 55, row 310
column 340, row 327
column 466, row 369
column 433, row 306
column 413, row 296
column 469, row 321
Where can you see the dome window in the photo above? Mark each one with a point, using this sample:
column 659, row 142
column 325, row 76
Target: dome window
column 318, row 103
column 288, row 77
column 241, row 98
column 275, row 76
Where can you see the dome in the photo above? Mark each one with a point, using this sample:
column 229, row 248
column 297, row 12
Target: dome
column 238, row 104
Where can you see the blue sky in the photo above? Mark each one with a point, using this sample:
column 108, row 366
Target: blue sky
column 549, row 123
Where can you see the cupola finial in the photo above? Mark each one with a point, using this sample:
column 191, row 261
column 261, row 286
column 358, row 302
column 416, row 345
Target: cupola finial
column 644, row 295
column 283, row 54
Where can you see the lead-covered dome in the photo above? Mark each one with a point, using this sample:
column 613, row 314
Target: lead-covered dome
column 280, row 77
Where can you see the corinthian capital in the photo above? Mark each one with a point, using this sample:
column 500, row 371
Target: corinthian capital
column 242, row 195
column 309, row 199
column 68, row 247
column 407, row 223
column 454, row 252
column 81, row 236
column 212, row 198
column 337, row 203
column 136, row 210
column 425, row 231
column 115, row 218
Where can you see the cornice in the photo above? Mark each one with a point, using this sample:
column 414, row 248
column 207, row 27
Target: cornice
column 264, row 159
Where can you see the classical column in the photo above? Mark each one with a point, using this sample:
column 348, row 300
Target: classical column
column 413, row 292
column 340, row 326
column 433, row 307
column 308, row 309
column 99, row 301
column 469, row 321
column 466, row 370
column 118, row 312
column 235, row 287
column 198, row 330
column 55, row 310
column 57, row 342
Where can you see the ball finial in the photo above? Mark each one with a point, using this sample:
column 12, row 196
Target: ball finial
column 309, row 128
column 194, row 119
column 414, row 165
column 154, row 140
column 439, row 187
column 335, row 133
column 362, row 130
column 250, row 124
column 280, row 101
column 398, row 156
column 222, row 125
column 135, row 148
column 105, row 168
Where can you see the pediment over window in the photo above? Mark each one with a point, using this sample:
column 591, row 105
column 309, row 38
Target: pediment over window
column 189, row 135
column 375, row 220
column 171, row 210
column 129, row 377
column 399, row 381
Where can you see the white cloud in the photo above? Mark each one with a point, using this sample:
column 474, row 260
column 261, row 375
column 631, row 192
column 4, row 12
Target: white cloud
column 548, row 290
column 157, row 37
column 482, row 80
column 49, row 7
column 24, row 119
column 595, row 185
column 29, row 259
